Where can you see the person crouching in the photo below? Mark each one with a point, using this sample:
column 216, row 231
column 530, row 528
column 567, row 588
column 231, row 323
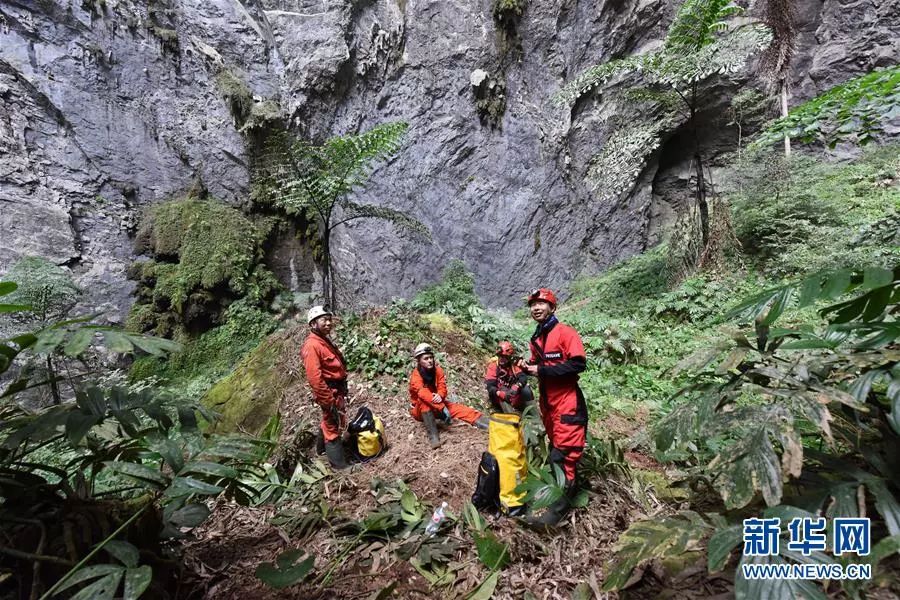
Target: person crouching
column 428, row 397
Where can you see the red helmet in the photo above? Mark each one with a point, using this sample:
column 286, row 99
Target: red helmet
column 505, row 348
column 545, row 294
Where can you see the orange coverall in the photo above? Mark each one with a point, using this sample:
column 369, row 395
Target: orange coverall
column 326, row 373
column 421, row 397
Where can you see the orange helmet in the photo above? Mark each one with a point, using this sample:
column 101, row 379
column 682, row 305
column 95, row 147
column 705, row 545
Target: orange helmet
column 545, row 294
column 505, row 348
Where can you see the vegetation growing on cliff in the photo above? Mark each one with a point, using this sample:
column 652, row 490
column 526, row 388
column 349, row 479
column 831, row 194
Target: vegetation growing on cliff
column 204, row 255
column 315, row 181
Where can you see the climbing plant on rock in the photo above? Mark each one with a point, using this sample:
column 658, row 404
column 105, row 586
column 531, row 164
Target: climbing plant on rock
column 701, row 44
column 303, row 178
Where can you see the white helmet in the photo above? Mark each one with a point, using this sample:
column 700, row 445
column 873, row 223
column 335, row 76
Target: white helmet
column 317, row 311
column 421, row 349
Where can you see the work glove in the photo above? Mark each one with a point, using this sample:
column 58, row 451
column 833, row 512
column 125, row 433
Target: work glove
column 437, row 399
column 501, row 394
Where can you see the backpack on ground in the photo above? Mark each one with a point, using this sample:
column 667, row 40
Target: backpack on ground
column 487, row 485
column 367, row 431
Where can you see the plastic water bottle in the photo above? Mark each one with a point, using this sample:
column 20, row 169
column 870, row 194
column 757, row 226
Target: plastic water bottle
column 436, row 520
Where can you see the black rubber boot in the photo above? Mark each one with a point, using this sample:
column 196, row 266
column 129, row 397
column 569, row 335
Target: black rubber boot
column 554, row 513
column 320, row 443
column 483, row 422
column 434, row 437
column 335, row 453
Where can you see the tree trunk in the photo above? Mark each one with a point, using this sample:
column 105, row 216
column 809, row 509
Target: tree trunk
column 784, row 113
column 327, row 285
column 54, row 386
column 702, row 204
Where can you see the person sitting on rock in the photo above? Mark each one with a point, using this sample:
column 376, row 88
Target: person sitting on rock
column 428, row 397
column 507, row 382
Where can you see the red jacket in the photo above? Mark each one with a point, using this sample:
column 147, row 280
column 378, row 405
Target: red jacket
column 423, row 392
column 558, row 351
column 326, row 370
column 496, row 378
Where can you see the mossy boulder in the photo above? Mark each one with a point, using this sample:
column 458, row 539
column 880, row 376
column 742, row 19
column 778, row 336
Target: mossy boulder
column 203, row 256
column 251, row 394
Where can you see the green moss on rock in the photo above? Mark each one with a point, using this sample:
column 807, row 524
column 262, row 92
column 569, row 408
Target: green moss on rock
column 205, row 255
column 248, row 397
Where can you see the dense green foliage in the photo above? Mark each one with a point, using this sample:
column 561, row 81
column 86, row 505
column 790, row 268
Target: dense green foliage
column 454, row 293
column 48, row 290
column 68, row 462
column 204, row 255
column 855, row 111
column 305, row 180
column 815, row 406
column 819, row 215
column 208, row 357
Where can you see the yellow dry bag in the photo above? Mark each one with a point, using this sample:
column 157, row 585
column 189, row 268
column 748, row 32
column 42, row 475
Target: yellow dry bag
column 507, row 444
column 368, row 431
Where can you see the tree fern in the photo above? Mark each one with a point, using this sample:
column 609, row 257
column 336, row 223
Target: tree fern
column 301, row 177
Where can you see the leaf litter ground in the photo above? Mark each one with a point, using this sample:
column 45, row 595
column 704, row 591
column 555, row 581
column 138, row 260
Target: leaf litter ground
column 223, row 554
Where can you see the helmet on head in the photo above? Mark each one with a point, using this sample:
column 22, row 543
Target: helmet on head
column 505, row 348
column 542, row 294
column 421, row 349
column 317, row 311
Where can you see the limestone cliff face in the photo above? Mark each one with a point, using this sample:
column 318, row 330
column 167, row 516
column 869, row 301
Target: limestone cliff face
column 107, row 106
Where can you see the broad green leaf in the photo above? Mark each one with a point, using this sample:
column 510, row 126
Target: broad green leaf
column 183, row 486
column 48, row 340
column 876, row 277
column 140, row 473
column 91, row 401
column 493, row 553
column 136, row 582
column 117, row 342
column 720, row 546
column 886, row 505
column 78, row 424
column 286, row 571
column 654, row 538
column 102, row 589
column 124, row 552
column 836, row 283
column 7, row 287
column 809, row 290
column 190, row 515
column 750, row 465
column 485, row 590
column 88, row 573
column 209, row 468
column 187, row 418
column 166, row 447
column 78, row 343
column 154, row 345
column 11, row 308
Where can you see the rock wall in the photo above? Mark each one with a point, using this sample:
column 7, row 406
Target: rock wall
column 109, row 105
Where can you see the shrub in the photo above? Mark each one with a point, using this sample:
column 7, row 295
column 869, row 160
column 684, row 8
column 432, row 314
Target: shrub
column 454, row 294
column 806, row 215
column 46, row 288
